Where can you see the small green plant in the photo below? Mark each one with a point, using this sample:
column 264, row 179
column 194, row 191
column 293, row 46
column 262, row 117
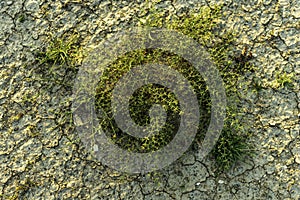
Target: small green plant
column 61, row 51
column 58, row 61
column 283, row 80
column 232, row 145
column 22, row 18
column 257, row 84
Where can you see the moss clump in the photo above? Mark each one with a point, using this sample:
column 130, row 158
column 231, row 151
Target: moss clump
column 61, row 57
column 145, row 97
column 204, row 27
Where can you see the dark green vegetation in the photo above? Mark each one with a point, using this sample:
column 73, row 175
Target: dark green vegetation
column 145, row 97
column 203, row 27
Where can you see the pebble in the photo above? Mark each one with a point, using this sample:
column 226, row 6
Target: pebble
column 296, row 12
column 297, row 159
column 96, row 149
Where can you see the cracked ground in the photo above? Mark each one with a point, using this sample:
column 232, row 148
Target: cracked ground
column 42, row 158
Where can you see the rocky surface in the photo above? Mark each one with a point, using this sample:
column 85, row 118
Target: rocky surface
column 42, row 158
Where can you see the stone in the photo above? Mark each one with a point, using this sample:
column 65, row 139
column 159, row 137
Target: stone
column 296, row 12
column 297, row 159
column 32, row 6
